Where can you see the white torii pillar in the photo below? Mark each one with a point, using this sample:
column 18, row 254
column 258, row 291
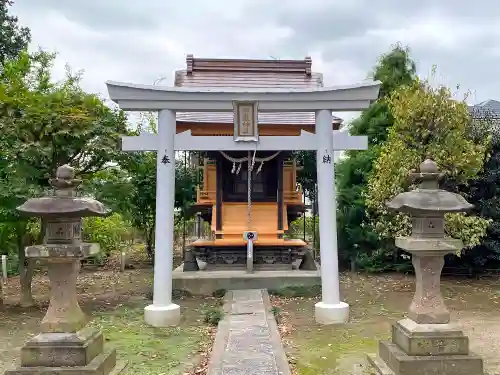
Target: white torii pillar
column 162, row 312
column 330, row 310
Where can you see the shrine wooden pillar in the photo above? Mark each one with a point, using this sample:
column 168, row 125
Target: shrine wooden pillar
column 279, row 195
column 219, row 175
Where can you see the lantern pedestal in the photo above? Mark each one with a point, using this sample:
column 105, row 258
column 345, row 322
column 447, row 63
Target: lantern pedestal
column 425, row 342
column 428, row 306
column 423, row 349
column 65, row 345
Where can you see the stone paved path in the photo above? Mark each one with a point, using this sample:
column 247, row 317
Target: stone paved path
column 247, row 340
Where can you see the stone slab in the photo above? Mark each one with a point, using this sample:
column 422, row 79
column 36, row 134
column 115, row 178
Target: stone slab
column 429, row 339
column 247, row 307
column 207, row 282
column 248, row 320
column 428, row 246
column 449, row 329
column 247, row 296
column 403, row 364
column 247, row 340
column 380, row 366
column 104, row 364
column 61, row 251
column 62, row 349
column 250, row 366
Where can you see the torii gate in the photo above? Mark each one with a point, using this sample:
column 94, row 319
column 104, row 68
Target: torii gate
column 169, row 100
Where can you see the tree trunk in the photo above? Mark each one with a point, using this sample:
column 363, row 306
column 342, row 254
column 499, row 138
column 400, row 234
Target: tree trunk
column 353, row 264
column 43, row 229
column 149, row 243
column 26, row 268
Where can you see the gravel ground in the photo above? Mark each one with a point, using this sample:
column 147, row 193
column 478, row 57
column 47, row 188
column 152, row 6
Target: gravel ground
column 376, row 303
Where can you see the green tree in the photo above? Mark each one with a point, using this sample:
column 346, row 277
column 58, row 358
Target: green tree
column 130, row 186
column 45, row 124
column 428, row 121
column 357, row 240
column 484, row 193
column 13, row 38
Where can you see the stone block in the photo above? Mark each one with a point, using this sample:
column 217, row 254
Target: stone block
column 249, row 364
column 62, row 349
column 380, row 366
column 61, row 251
column 402, row 364
column 103, row 364
column 429, row 339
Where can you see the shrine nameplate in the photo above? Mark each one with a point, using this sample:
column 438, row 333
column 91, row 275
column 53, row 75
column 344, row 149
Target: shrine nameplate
column 245, row 121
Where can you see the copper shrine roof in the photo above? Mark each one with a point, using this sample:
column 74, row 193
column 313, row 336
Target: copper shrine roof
column 246, row 73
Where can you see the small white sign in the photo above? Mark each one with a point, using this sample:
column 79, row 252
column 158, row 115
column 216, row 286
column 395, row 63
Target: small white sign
column 250, row 236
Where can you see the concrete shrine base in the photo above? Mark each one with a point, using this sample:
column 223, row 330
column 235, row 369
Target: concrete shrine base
column 207, row 282
column 426, row 349
column 326, row 314
column 162, row 316
column 81, row 352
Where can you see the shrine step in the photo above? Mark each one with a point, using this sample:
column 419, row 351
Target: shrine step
column 264, row 218
column 242, row 267
column 205, row 282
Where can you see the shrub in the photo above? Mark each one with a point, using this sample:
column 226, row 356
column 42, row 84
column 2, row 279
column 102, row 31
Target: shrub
column 296, row 229
column 297, row 291
column 276, row 311
column 219, row 293
column 109, row 232
column 213, row 315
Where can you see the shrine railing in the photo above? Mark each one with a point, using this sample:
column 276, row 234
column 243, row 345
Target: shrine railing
column 208, row 196
column 205, row 196
column 291, row 197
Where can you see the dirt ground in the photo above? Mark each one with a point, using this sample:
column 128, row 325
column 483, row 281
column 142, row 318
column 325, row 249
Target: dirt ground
column 377, row 302
column 115, row 301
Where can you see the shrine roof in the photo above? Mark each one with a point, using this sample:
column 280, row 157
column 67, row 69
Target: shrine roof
column 251, row 74
column 487, row 109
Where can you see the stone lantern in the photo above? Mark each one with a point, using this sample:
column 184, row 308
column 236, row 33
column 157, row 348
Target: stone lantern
column 65, row 345
column 426, row 342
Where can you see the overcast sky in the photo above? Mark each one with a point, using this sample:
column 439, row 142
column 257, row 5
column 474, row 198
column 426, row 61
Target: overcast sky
column 140, row 41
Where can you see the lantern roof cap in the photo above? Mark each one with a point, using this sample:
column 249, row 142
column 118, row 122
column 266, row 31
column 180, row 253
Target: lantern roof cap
column 428, row 199
column 63, row 201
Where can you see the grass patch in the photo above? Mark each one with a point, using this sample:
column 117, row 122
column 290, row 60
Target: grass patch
column 212, row 315
column 294, row 291
column 219, row 293
column 176, row 294
column 276, row 311
column 335, row 351
column 150, row 350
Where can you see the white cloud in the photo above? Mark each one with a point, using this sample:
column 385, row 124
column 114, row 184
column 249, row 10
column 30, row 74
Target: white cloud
column 142, row 41
column 437, row 32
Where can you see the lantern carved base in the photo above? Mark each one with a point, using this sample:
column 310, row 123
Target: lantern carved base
column 81, row 352
column 426, row 349
column 428, row 306
column 426, row 343
column 66, row 345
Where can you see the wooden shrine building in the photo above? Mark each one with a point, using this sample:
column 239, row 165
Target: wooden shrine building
column 275, row 198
